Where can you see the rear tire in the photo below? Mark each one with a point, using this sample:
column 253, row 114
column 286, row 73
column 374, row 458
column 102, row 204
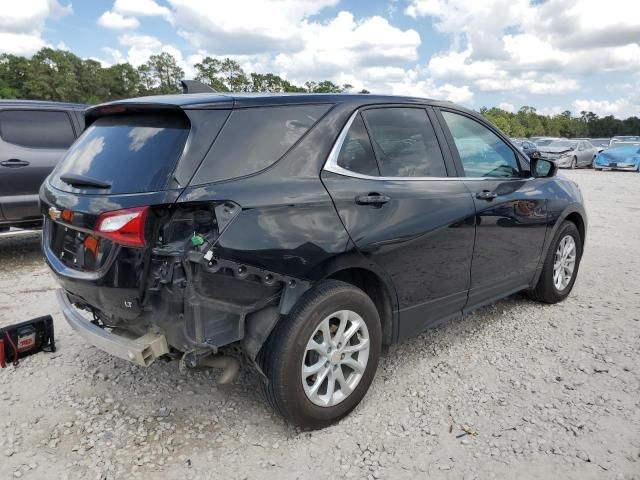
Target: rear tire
column 286, row 354
column 547, row 289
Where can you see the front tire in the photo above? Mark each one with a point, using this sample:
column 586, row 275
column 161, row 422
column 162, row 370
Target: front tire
column 561, row 265
column 574, row 163
column 321, row 358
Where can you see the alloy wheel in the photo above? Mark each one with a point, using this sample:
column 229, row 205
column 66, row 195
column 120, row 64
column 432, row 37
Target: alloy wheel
column 564, row 262
column 335, row 358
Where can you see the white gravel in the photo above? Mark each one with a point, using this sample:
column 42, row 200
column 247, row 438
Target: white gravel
column 543, row 391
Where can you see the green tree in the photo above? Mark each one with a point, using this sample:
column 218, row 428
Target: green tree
column 209, row 72
column 233, row 76
column 161, row 74
column 54, row 75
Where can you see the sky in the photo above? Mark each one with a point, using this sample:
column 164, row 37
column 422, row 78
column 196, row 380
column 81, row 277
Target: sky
column 554, row 55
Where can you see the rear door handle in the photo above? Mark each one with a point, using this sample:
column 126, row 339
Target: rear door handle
column 486, row 195
column 374, row 199
column 14, row 163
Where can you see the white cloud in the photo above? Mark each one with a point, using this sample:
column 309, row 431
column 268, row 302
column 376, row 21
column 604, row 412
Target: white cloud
column 532, row 47
column 141, row 47
column 22, row 23
column 506, row 106
column 142, row 8
column 123, row 15
column 365, row 52
column 116, row 21
column 621, row 107
column 245, row 26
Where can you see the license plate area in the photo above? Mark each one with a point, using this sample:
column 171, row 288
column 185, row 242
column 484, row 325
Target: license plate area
column 78, row 249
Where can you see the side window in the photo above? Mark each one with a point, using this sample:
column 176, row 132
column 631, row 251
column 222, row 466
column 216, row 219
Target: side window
column 36, row 129
column 482, row 152
column 405, row 142
column 254, row 139
column 356, row 153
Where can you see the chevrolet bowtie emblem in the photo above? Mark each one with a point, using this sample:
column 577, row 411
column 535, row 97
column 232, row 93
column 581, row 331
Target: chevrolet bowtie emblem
column 54, row 213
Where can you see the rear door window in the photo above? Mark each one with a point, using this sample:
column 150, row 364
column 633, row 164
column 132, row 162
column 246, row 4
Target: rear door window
column 356, row 154
column 255, row 138
column 134, row 153
column 405, row 142
column 37, row 128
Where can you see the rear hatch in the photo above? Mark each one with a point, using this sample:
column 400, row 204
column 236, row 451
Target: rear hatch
column 101, row 202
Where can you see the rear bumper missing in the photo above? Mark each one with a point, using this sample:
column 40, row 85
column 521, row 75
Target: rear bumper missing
column 141, row 351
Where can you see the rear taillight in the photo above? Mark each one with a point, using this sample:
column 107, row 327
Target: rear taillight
column 125, row 227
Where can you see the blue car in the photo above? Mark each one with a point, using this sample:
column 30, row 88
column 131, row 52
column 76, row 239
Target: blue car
column 619, row 156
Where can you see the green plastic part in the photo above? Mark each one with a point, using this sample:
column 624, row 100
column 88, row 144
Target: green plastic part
column 197, row 240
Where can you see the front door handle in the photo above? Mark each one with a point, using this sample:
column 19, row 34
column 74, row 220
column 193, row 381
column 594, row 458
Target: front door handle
column 14, row 163
column 374, row 199
column 486, row 195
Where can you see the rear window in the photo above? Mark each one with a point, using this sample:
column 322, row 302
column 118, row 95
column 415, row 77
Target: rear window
column 255, row 138
column 134, row 153
column 36, row 128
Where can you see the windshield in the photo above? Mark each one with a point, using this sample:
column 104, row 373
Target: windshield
column 543, row 142
column 564, row 144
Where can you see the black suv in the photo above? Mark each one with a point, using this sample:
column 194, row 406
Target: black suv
column 297, row 234
column 34, row 135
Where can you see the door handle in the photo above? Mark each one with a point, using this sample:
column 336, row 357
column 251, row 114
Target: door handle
column 14, row 163
column 374, row 199
column 486, row 195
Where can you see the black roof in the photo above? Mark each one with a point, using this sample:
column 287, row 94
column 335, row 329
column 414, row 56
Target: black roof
column 228, row 100
column 239, row 100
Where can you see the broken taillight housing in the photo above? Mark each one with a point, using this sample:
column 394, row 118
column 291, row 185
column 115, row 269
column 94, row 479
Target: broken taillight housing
column 125, row 227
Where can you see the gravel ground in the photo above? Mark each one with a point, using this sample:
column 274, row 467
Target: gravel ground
column 543, row 391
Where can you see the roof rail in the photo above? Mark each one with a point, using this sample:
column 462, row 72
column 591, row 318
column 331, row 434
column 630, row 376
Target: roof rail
column 195, row 86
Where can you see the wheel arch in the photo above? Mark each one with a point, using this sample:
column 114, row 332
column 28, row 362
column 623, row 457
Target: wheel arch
column 378, row 290
column 579, row 222
column 574, row 213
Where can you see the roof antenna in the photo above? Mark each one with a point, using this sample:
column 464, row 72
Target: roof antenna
column 195, row 86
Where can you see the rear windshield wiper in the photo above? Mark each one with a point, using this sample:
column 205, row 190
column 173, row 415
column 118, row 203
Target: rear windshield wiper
column 82, row 181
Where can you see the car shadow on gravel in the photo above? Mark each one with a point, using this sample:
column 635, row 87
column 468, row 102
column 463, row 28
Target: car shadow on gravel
column 193, row 395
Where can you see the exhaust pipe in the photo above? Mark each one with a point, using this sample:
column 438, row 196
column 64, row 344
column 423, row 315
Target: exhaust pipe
column 230, row 367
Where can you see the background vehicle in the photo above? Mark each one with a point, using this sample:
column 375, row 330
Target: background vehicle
column 623, row 139
column 544, row 141
column 620, row 156
column 600, row 144
column 569, row 153
column 303, row 231
column 529, row 148
column 34, row 136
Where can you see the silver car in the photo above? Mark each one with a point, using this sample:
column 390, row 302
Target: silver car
column 569, row 153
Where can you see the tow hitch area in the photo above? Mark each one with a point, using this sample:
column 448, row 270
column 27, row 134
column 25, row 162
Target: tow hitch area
column 26, row 338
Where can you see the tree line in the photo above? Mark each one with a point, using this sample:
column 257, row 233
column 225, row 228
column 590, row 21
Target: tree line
column 60, row 75
column 526, row 122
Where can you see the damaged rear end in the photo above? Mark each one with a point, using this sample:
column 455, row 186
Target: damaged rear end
column 138, row 272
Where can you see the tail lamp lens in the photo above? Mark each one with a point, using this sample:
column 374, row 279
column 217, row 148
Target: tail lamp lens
column 125, row 227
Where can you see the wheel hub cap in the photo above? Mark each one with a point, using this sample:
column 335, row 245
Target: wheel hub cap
column 335, row 358
column 564, row 262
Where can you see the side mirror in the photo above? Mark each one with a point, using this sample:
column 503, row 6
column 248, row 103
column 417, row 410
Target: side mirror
column 534, row 154
column 542, row 168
